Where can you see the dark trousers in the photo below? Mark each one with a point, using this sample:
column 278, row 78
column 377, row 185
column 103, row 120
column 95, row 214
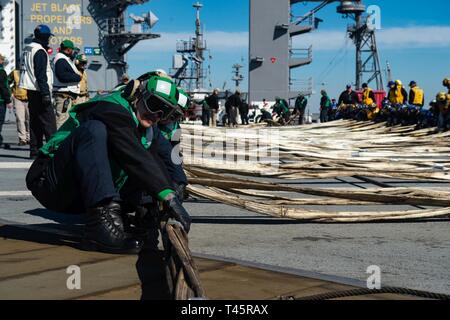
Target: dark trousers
column 301, row 116
column 232, row 115
column 227, row 116
column 331, row 115
column 244, row 117
column 443, row 120
column 2, row 119
column 78, row 176
column 206, row 117
column 42, row 121
column 324, row 115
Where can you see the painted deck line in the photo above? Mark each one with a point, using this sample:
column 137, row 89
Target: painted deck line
column 15, row 165
column 15, row 194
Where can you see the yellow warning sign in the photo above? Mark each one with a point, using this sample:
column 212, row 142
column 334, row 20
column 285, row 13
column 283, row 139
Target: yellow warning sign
column 64, row 20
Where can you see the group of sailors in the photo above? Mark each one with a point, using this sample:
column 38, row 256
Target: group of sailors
column 43, row 90
column 398, row 108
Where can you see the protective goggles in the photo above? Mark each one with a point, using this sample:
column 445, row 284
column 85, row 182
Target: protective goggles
column 158, row 109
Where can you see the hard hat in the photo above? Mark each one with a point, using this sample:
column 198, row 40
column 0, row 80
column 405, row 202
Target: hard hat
column 159, row 95
column 412, row 83
column 67, row 44
column 441, row 97
column 42, row 32
column 398, row 82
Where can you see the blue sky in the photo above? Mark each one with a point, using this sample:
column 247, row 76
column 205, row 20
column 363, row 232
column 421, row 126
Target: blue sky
column 415, row 39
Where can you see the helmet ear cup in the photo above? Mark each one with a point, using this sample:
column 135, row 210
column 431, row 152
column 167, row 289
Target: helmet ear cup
column 131, row 90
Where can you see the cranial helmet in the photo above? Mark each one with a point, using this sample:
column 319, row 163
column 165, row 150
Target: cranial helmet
column 441, row 97
column 81, row 58
column 446, row 82
column 160, row 95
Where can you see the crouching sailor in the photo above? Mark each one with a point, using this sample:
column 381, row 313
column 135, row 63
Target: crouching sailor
column 109, row 146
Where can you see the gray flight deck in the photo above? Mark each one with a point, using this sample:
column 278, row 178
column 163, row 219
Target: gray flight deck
column 411, row 254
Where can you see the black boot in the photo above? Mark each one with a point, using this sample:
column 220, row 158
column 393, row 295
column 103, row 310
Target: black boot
column 104, row 231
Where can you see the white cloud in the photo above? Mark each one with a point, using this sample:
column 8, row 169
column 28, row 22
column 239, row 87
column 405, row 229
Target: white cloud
column 416, row 37
column 390, row 38
column 322, row 40
column 218, row 41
